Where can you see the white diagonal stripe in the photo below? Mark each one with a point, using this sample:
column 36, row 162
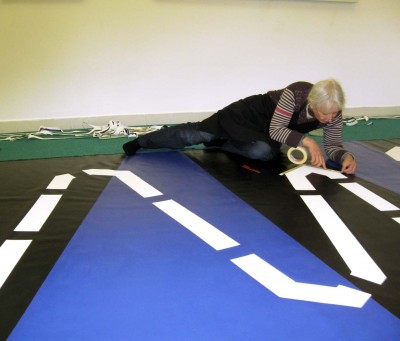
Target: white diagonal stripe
column 10, row 253
column 352, row 252
column 61, row 181
column 370, row 197
column 202, row 229
column 38, row 214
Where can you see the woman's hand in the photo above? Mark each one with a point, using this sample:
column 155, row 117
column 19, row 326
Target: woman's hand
column 317, row 156
column 349, row 164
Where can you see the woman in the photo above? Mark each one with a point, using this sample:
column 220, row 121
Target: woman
column 255, row 127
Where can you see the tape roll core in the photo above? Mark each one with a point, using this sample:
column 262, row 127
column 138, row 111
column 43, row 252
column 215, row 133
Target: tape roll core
column 293, row 159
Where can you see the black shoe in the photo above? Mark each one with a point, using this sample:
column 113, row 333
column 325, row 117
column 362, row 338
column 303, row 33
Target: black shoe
column 131, row 147
column 215, row 143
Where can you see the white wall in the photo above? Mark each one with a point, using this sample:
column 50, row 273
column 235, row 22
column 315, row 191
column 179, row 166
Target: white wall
column 88, row 58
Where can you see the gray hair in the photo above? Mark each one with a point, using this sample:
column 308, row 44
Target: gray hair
column 328, row 93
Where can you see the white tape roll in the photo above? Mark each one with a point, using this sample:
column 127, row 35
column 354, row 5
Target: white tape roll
column 297, row 160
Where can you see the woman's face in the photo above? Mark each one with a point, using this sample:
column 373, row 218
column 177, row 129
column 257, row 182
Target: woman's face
column 325, row 115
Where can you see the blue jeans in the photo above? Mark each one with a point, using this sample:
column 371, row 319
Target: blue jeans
column 188, row 134
column 257, row 150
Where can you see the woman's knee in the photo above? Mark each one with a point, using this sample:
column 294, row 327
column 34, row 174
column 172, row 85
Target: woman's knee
column 260, row 150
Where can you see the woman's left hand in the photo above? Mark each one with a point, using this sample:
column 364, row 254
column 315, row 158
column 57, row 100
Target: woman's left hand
column 349, row 164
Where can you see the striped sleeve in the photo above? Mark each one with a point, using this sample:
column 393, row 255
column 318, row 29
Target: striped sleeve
column 278, row 129
column 333, row 144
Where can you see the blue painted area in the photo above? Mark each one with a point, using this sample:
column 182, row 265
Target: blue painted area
column 132, row 273
column 373, row 166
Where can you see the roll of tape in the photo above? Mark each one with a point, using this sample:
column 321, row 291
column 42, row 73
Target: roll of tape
column 297, row 160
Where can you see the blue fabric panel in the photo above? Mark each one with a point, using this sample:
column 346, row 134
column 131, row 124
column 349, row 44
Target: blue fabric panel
column 373, row 166
column 133, row 273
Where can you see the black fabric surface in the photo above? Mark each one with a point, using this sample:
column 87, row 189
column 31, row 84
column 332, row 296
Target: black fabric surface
column 274, row 197
column 22, row 182
column 257, row 183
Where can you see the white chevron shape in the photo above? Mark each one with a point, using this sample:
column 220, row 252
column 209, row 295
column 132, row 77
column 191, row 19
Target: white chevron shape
column 128, row 178
column 284, row 287
column 298, row 176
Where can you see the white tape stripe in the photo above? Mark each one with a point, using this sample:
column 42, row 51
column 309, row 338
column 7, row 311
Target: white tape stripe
column 298, row 176
column 354, row 255
column 128, row 178
column 38, row 214
column 61, row 181
column 397, row 219
column 283, row 286
column 137, row 184
column 10, row 253
column 105, row 172
column 205, row 231
column 370, row 197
